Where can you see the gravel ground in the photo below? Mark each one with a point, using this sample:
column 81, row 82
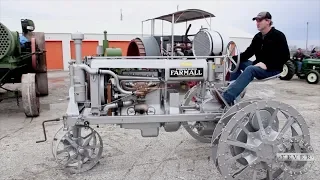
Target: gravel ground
column 126, row 154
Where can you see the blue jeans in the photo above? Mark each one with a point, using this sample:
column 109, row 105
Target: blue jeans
column 243, row 79
column 299, row 64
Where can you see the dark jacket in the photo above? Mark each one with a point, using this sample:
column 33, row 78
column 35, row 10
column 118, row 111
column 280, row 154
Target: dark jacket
column 298, row 56
column 272, row 50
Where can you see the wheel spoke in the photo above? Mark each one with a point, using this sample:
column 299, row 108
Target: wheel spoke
column 261, row 128
column 62, row 151
column 238, row 174
column 92, row 134
column 288, row 124
column 71, row 160
column 273, row 117
column 277, row 173
column 72, row 143
column 85, row 137
column 244, row 128
column 234, row 158
column 79, row 162
column 241, row 144
column 92, row 147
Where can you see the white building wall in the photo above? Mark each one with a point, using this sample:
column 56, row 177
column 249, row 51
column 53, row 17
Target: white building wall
column 242, row 43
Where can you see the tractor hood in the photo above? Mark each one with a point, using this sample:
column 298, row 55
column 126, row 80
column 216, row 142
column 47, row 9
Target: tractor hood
column 312, row 61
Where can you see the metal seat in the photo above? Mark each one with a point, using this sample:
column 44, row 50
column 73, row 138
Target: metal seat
column 254, row 80
column 260, row 80
column 269, row 78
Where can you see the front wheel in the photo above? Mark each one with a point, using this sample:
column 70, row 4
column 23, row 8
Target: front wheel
column 313, row 77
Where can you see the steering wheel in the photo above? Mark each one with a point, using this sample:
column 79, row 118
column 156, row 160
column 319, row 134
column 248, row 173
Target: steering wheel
column 229, row 59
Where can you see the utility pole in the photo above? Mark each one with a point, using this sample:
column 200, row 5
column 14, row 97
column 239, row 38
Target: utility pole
column 121, row 17
column 307, row 36
column 177, row 7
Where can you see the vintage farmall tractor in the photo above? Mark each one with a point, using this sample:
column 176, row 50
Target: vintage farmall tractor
column 23, row 60
column 246, row 138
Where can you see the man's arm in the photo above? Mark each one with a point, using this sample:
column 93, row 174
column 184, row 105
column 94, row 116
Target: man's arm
column 295, row 55
column 282, row 49
column 248, row 53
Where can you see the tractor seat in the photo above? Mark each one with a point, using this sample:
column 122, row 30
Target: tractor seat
column 245, row 89
column 258, row 80
column 269, row 78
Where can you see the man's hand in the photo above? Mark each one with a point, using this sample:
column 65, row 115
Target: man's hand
column 261, row 65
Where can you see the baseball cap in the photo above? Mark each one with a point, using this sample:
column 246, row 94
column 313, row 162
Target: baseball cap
column 263, row 15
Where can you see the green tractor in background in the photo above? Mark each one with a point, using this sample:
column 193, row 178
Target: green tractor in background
column 23, row 60
column 310, row 70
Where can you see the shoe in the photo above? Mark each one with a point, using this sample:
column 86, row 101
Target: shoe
column 223, row 105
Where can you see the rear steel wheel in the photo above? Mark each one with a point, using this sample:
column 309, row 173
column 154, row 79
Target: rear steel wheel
column 253, row 154
column 239, row 134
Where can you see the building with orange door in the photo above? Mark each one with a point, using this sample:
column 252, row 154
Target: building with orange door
column 60, row 47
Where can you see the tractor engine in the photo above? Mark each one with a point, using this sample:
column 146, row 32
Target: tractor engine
column 139, row 85
column 150, row 85
column 151, row 79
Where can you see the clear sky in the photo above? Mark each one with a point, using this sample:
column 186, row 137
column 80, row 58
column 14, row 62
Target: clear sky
column 95, row 16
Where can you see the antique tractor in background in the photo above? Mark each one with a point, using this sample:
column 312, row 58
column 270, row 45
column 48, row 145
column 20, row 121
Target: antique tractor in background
column 23, row 60
column 310, row 70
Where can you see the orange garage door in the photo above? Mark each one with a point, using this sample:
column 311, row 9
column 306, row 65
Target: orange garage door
column 54, row 55
column 123, row 45
column 89, row 48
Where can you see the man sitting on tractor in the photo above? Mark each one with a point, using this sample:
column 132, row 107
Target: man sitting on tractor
column 314, row 53
column 298, row 57
column 271, row 50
